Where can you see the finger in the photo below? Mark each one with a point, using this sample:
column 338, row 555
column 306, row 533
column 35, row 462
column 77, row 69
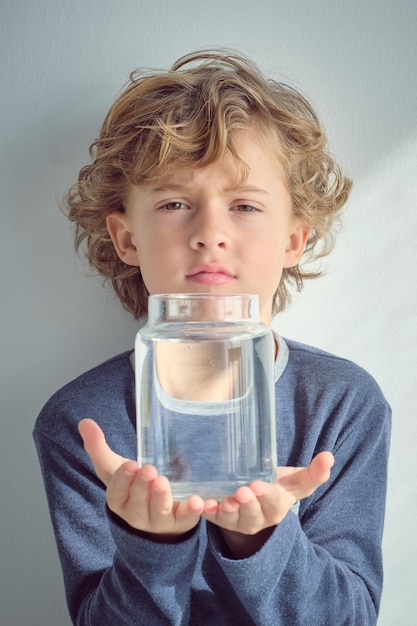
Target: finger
column 120, row 485
column 169, row 517
column 244, row 495
column 195, row 505
column 212, row 510
column 274, row 501
column 129, row 494
column 210, row 507
column 229, row 506
column 161, row 502
column 302, row 482
column 251, row 515
column 131, row 484
column 319, row 468
column 105, row 461
column 225, row 514
column 189, row 511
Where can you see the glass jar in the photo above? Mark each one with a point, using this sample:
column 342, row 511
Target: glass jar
column 204, row 367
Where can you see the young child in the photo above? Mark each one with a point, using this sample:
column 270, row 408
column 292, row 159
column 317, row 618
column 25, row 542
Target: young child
column 210, row 178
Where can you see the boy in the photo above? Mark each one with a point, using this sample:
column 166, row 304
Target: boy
column 209, row 178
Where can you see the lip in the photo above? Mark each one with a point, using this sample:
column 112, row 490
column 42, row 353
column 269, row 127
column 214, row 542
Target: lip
column 210, row 274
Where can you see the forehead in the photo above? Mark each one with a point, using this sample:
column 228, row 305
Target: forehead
column 252, row 153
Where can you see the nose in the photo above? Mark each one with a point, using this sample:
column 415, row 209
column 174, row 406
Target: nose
column 209, row 230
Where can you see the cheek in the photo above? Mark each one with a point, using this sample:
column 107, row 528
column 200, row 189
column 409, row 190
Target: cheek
column 270, row 253
column 158, row 263
column 269, row 262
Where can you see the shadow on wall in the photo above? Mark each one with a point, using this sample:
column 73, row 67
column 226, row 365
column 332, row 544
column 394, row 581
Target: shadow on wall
column 371, row 288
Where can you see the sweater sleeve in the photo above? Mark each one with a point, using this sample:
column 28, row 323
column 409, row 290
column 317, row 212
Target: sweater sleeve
column 323, row 566
column 112, row 574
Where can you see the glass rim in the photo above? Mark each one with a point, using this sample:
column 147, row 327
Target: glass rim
column 195, row 295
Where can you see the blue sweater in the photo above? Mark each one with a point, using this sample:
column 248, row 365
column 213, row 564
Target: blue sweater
column 321, row 565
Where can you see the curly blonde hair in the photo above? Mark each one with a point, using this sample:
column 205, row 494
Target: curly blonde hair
column 164, row 121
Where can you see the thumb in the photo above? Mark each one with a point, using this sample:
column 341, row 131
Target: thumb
column 303, row 481
column 105, row 461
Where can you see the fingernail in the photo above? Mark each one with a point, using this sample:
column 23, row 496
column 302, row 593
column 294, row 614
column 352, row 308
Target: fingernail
column 129, row 473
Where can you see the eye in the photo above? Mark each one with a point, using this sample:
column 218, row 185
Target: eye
column 245, row 208
column 174, row 206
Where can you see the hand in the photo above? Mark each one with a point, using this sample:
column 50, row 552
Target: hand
column 138, row 495
column 247, row 519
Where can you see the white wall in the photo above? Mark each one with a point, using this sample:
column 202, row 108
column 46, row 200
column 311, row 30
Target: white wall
column 62, row 62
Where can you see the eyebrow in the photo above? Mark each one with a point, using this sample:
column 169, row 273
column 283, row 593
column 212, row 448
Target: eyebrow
column 167, row 187
column 179, row 187
column 247, row 189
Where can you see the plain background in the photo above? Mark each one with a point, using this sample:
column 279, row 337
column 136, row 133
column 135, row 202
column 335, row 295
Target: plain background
column 62, row 63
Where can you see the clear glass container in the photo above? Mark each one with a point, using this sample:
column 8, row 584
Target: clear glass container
column 205, row 393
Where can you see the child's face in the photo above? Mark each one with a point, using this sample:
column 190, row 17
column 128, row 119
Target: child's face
column 200, row 231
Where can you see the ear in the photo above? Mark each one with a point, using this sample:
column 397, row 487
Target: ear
column 296, row 244
column 118, row 227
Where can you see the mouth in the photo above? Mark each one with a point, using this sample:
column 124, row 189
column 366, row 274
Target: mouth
column 210, row 274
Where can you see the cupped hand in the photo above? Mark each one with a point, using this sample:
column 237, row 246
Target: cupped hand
column 138, row 495
column 144, row 500
column 247, row 518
